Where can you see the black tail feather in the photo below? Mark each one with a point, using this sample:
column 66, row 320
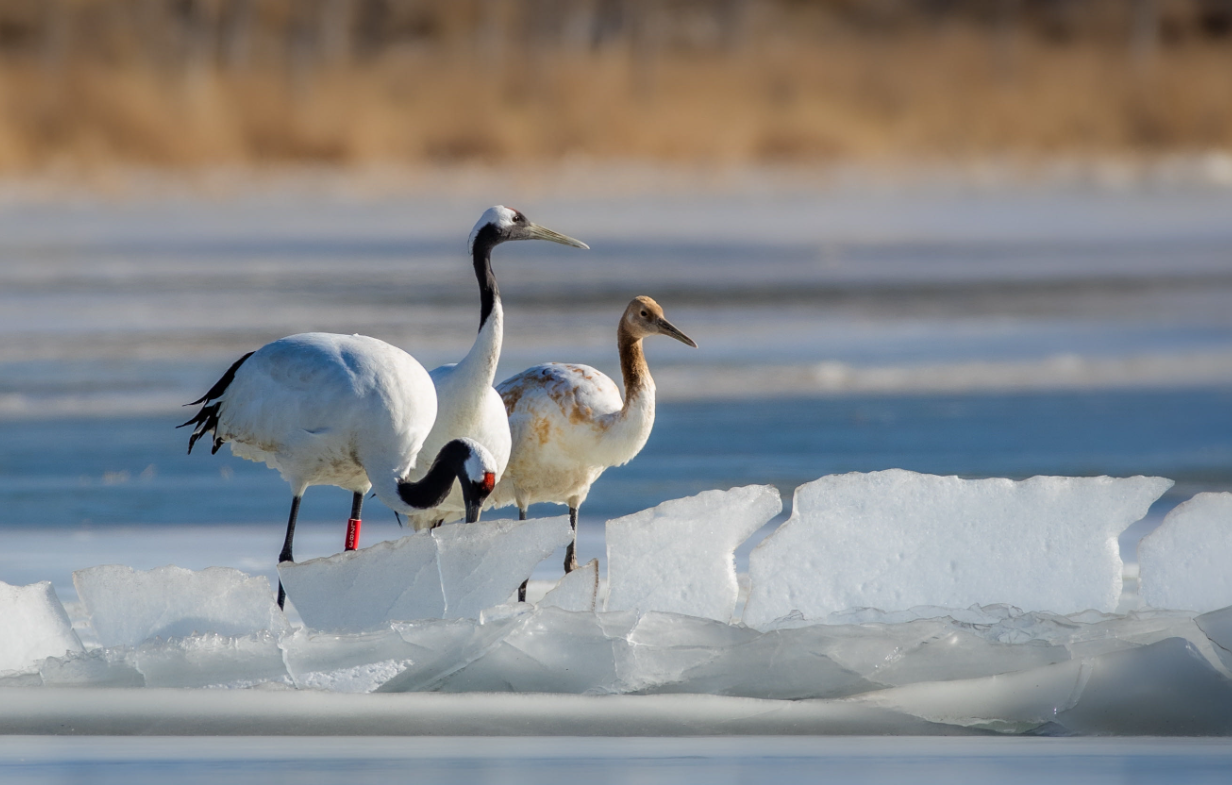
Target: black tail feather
column 206, row 420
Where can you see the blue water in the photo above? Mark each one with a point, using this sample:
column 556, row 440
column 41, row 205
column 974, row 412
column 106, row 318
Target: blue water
column 92, row 473
column 783, row 761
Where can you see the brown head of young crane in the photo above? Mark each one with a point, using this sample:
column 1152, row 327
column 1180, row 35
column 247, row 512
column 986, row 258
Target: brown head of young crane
column 569, row 423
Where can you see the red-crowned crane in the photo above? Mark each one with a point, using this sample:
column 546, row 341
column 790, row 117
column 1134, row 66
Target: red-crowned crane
column 344, row 410
column 467, row 405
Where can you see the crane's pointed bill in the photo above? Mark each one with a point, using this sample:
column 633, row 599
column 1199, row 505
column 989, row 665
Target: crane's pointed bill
column 537, row 232
column 667, row 328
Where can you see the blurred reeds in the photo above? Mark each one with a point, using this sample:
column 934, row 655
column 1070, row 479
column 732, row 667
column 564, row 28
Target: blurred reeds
column 201, row 82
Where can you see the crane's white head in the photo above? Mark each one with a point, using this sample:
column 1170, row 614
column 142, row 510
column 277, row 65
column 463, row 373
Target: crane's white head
column 477, row 477
column 644, row 317
column 500, row 224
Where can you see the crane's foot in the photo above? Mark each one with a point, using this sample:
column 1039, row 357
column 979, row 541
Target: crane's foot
column 522, row 590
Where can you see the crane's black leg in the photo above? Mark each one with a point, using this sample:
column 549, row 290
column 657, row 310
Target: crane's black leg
column 286, row 547
column 357, row 505
column 570, row 557
column 522, row 588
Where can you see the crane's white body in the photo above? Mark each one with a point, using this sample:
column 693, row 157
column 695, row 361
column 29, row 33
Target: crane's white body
column 326, row 409
column 568, row 423
column 467, row 406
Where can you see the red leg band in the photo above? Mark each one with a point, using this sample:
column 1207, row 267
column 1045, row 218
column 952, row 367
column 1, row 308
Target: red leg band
column 352, row 538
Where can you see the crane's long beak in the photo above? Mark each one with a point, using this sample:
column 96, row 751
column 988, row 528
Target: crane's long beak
column 667, row 328
column 538, row 232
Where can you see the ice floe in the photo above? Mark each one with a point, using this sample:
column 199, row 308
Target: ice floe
column 34, row 625
column 897, row 539
column 128, row 606
column 432, row 613
column 678, row 556
column 1184, row 564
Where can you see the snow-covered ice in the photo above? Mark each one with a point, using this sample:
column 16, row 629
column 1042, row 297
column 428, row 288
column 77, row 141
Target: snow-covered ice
column 678, row 556
column 33, row 625
column 1184, row 564
column 452, row 571
column 896, row 539
column 127, row 606
column 576, row 591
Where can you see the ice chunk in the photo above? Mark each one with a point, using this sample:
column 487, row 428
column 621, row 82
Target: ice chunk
column 127, row 607
column 483, row 565
column 364, row 589
column 356, row 662
column 677, row 557
column 1217, row 627
column 576, row 591
column 453, row 571
column 1183, row 564
column 440, row 647
column 1164, row 689
column 785, row 664
column 664, row 646
column 212, row 661
column 1015, row 702
column 96, row 668
column 550, row 650
column 34, row 626
column 896, row 539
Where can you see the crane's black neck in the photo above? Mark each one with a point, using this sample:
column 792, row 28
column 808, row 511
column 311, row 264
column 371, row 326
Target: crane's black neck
column 485, row 240
column 434, row 488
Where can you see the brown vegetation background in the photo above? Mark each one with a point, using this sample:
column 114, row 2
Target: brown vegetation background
column 205, row 82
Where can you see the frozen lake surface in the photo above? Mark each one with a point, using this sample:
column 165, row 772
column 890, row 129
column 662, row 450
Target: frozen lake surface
column 619, row 761
column 1001, row 331
column 1005, row 331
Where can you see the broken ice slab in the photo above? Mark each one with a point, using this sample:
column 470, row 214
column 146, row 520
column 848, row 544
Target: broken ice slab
column 453, row 571
column 576, row 591
column 550, row 650
column 363, row 589
column 127, row 607
column 1183, row 564
column 483, row 565
column 678, row 557
column 440, row 647
column 1164, row 689
column 354, row 662
column 1013, row 702
column 212, row 660
column 897, row 539
column 681, row 654
column 33, row 625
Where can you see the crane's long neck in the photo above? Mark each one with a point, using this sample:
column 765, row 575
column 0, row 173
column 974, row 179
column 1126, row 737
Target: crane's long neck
column 478, row 367
column 634, row 370
column 631, row 427
column 432, row 490
column 408, row 497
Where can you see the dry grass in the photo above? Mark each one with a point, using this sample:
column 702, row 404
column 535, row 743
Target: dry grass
column 785, row 96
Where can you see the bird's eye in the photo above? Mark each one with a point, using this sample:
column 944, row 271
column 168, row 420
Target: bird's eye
column 645, row 315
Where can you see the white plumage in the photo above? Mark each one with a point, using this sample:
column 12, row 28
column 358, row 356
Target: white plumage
column 467, row 404
column 343, row 410
column 568, row 422
column 324, row 409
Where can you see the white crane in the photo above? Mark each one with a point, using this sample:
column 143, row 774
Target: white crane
column 344, row 410
column 569, row 423
column 467, row 405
